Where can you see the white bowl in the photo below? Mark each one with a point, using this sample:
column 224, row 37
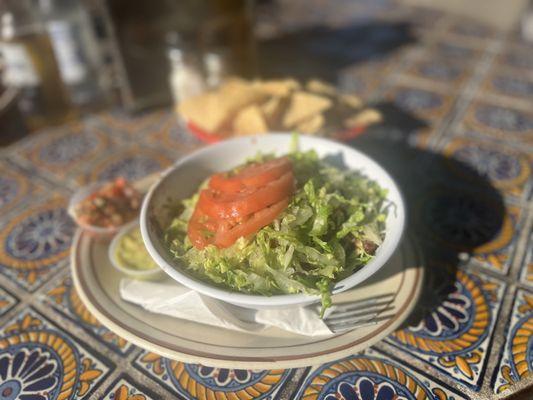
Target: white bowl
column 145, row 274
column 182, row 180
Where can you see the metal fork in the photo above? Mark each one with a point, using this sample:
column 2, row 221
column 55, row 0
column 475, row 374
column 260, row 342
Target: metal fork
column 346, row 316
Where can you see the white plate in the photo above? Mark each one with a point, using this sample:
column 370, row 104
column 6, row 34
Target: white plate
column 97, row 283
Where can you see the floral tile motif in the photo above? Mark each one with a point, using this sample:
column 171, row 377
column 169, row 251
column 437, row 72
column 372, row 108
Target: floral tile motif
column 507, row 82
column 174, row 136
column 138, row 126
column 519, row 57
column 35, row 242
column 363, row 79
column 14, row 187
column 471, row 29
column 132, row 163
column 455, row 50
column 423, row 103
column 463, row 219
column 516, row 361
column 507, row 169
column 65, row 299
column 452, row 330
column 502, row 122
column 371, row 375
column 39, row 361
column 435, row 69
column 71, row 146
column 7, row 301
column 123, row 388
column 526, row 273
column 194, row 381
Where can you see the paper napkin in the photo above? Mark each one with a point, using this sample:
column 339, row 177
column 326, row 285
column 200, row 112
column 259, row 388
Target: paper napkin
column 170, row 298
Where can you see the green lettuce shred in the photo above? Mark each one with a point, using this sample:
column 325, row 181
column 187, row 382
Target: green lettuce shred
column 330, row 229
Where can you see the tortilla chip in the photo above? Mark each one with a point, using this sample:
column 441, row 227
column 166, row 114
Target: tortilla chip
column 366, row 117
column 205, row 110
column 304, row 105
column 351, row 101
column 311, row 125
column 272, row 110
column 211, row 111
column 279, row 88
column 249, row 121
column 320, row 87
column 237, row 93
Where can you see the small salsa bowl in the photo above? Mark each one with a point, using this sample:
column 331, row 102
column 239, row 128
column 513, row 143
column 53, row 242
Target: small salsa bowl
column 80, row 195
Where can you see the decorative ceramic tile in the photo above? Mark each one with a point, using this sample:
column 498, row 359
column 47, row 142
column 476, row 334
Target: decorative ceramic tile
column 371, row 375
column 516, row 361
column 509, row 170
column 195, row 381
column 423, row 103
column 7, row 301
column 72, row 145
column 363, row 79
column 65, row 299
column 39, row 361
column 173, row 136
column 519, row 57
column 526, row 272
column 123, row 388
column 34, row 242
column 14, row 186
column 456, row 50
column 138, row 126
column 471, row 29
column 452, row 330
column 440, row 70
column 133, row 163
column 507, row 82
column 468, row 220
column 503, row 122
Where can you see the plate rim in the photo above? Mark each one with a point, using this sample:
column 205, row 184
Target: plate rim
column 260, row 362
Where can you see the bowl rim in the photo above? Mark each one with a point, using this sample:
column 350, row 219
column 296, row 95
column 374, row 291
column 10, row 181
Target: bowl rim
column 279, row 299
column 111, row 253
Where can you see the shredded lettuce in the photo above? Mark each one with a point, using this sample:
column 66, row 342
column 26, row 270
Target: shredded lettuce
column 331, row 228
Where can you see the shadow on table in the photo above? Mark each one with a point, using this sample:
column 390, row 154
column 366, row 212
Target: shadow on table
column 321, row 52
column 451, row 208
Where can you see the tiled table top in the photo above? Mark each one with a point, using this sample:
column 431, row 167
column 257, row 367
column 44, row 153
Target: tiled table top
column 458, row 102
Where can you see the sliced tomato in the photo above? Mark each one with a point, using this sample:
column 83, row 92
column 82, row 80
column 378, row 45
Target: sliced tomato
column 239, row 205
column 201, row 229
column 227, row 235
column 255, row 175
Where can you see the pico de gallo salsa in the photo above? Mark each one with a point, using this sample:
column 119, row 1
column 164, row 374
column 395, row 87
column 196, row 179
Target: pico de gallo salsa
column 112, row 205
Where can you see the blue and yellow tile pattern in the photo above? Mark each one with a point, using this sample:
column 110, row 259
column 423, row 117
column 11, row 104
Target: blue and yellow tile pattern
column 454, row 332
column 371, row 375
column 64, row 299
column 517, row 354
column 39, row 361
column 456, row 93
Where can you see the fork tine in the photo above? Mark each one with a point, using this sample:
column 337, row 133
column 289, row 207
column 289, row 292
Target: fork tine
column 360, row 308
column 369, row 300
column 357, row 323
column 347, row 315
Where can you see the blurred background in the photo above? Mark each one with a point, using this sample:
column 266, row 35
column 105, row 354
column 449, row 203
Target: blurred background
column 63, row 59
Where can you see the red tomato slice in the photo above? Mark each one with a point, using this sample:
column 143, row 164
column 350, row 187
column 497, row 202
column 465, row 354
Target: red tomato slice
column 226, row 236
column 201, row 229
column 255, row 175
column 239, row 205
